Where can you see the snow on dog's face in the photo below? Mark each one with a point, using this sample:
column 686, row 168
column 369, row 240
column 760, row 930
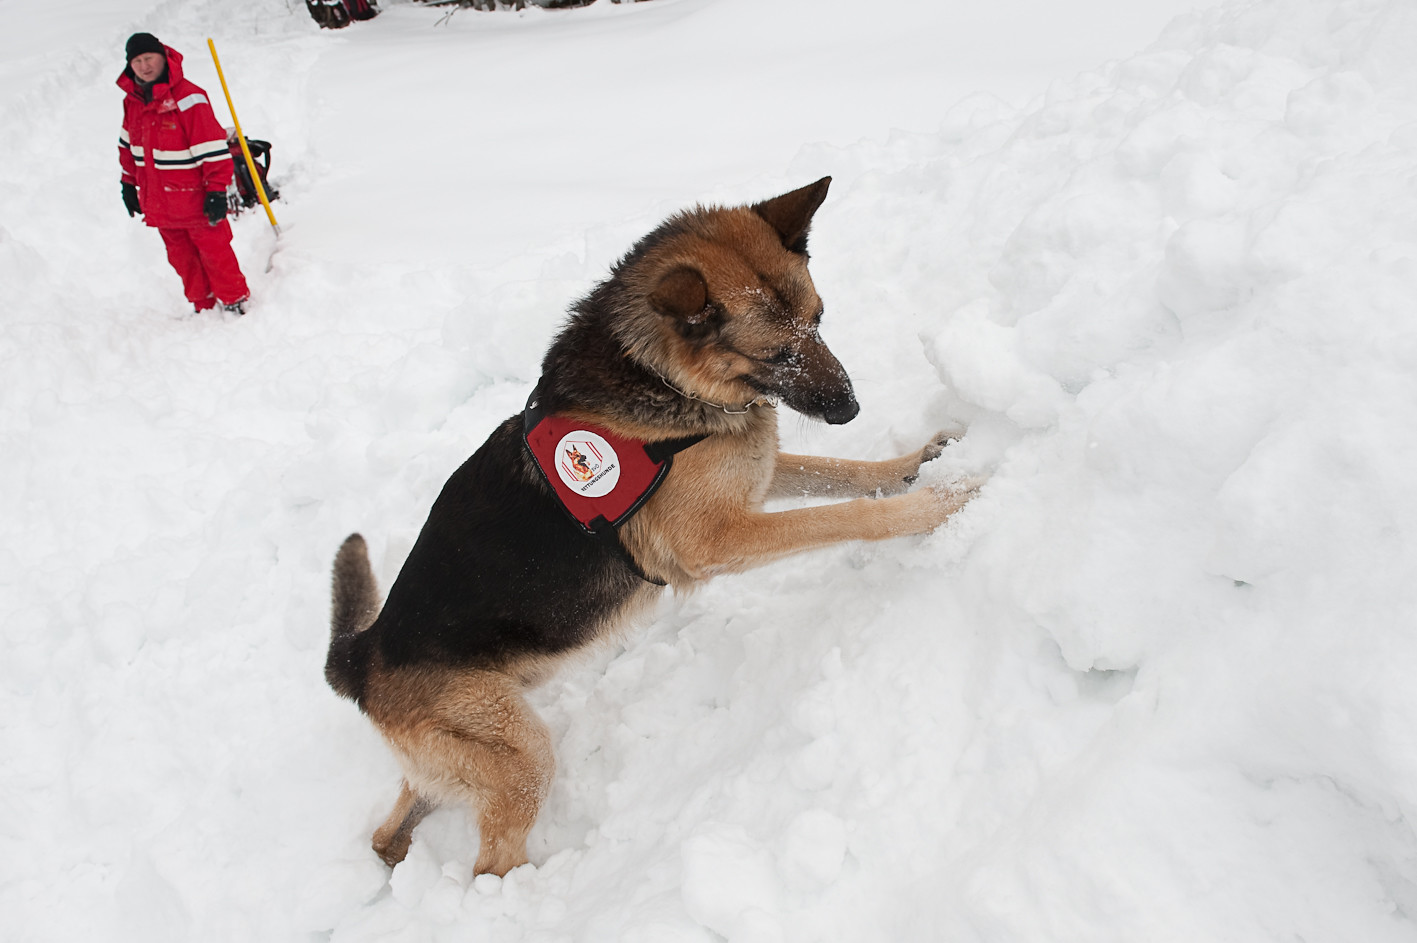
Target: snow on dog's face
column 739, row 310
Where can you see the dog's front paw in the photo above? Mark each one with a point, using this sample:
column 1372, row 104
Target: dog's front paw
column 952, row 496
column 936, row 445
column 933, row 449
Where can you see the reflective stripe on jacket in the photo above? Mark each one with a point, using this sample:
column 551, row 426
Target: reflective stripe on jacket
column 172, row 147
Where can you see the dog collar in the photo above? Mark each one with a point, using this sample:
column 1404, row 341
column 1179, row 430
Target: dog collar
column 690, row 394
column 599, row 477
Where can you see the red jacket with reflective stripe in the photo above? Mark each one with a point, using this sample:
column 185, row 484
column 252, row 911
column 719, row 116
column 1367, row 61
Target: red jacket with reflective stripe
column 172, row 147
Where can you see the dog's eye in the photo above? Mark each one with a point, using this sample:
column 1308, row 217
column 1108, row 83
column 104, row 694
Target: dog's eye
column 780, row 356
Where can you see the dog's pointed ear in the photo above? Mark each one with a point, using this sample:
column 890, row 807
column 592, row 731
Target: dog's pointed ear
column 791, row 213
column 681, row 294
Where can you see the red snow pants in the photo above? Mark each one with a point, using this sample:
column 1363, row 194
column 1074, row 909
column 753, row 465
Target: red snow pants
column 203, row 258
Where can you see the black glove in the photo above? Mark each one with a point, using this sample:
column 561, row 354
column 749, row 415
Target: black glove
column 130, row 199
column 215, row 207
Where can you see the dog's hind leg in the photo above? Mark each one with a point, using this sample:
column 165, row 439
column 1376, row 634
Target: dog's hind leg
column 476, row 740
column 507, row 760
column 392, row 839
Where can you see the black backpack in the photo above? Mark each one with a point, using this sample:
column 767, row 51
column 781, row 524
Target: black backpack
column 361, row 9
column 336, row 14
column 245, row 196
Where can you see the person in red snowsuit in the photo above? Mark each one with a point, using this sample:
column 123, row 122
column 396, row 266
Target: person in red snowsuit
column 176, row 167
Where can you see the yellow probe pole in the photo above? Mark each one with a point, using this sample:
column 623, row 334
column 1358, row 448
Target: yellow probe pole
column 241, row 138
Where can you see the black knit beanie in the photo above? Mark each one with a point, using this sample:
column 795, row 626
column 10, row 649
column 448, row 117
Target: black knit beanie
column 140, row 43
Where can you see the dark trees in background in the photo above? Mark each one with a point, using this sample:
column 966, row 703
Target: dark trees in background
column 337, row 14
column 519, row 4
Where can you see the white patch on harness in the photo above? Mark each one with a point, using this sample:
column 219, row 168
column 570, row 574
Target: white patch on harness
column 587, row 464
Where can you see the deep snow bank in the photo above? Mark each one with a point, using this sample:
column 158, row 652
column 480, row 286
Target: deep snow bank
column 1152, row 685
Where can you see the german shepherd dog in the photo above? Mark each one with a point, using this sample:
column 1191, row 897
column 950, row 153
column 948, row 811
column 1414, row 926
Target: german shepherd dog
column 703, row 324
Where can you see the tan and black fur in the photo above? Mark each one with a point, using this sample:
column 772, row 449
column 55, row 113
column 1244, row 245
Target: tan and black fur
column 705, row 320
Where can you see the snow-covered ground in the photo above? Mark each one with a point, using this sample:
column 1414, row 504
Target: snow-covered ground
column 1153, row 685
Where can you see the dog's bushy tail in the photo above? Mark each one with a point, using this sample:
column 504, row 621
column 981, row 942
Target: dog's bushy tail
column 354, row 609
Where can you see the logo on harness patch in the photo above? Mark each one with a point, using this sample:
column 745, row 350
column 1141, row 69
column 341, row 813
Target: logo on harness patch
column 587, row 463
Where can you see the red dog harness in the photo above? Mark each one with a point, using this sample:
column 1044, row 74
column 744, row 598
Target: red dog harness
column 600, row 477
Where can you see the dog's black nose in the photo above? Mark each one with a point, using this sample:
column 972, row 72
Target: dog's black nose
column 841, row 410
